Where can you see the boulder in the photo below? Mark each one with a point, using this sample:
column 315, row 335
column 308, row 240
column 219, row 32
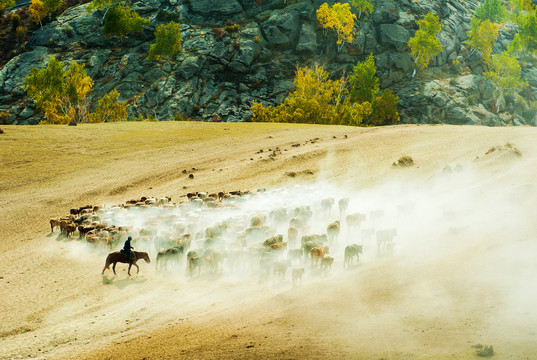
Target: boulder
column 308, row 39
column 222, row 7
column 393, row 35
column 281, row 29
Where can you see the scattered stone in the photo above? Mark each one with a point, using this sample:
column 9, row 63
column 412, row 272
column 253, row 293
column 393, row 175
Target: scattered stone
column 405, row 161
column 191, row 176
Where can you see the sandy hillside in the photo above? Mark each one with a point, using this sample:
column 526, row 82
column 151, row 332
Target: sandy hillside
column 461, row 271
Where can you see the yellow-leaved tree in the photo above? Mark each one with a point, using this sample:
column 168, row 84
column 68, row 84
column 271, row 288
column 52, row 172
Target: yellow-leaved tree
column 60, row 93
column 38, row 11
column 482, row 37
column 339, row 18
column 110, row 109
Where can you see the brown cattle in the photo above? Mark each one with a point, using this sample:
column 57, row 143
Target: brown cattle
column 69, row 229
column 273, row 240
column 317, row 253
column 292, row 236
column 54, row 223
column 326, row 263
column 333, row 232
column 278, row 246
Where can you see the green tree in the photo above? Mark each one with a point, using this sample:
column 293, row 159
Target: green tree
column 363, row 83
column 482, row 37
column 339, row 18
column 526, row 38
column 60, row 93
column 6, row 4
column 425, row 44
column 110, row 109
column 52, row 5
column 363, row 6
column 384, row 109
column 168, row 41
column 120, row 21
column 492, row 10
column 519, row 6
column 505, row 73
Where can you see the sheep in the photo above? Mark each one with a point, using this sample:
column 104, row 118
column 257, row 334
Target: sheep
column 169, row 255
column 295, row 254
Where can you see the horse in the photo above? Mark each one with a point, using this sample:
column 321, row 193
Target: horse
column 115, row 257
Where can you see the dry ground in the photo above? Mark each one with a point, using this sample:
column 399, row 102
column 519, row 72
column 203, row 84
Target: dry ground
column 441, row 293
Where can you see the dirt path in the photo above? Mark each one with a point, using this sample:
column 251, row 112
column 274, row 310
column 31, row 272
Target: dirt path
column 462, row 273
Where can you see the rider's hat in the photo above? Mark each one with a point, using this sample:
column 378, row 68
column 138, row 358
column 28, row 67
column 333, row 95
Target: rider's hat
column 130, row 238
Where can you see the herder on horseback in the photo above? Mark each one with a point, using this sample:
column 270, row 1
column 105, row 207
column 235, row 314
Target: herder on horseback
column 127, row 250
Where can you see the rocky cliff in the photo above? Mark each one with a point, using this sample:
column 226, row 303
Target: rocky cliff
column 216, row 77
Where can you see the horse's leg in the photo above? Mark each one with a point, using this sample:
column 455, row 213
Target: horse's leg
column 129, row 271
column 114, row 268
column 106, row 264
column 137, row 268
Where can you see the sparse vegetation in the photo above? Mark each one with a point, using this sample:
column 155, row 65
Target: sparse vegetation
column 168, row 42
column 319, row 100
column 484, row 350
column 121, row 21
column 110, row 109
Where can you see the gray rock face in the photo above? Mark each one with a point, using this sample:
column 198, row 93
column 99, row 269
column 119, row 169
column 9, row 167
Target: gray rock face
column 223, row 7
column 308, row 39
column 218, row 78
column 393, row 35
column 281, row 29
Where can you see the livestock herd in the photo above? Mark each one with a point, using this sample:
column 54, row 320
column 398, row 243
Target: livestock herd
column 265, row 234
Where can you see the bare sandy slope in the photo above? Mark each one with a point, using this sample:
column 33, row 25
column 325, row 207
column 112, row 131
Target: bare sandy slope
column 463, row 270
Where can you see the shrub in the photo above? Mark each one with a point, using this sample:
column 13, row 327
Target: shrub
column 110, row 109
column 233, row 28
column 121, row 21
column 257, row 39
column 339, row 18
column 168, row 41
column 4, row 117
column 166, row 16
column 218, row 34
column 1, row 131
column 20, row 32
column 385, row 109
column 15, row 21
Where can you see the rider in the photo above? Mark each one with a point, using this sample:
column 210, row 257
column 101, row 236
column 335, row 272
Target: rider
column 126, row 251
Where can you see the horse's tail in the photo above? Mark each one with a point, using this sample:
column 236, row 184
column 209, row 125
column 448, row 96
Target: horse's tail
column 107, row 263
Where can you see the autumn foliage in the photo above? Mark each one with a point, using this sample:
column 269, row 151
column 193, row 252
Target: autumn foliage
column 319, row 100
column 338, row 18
column 425, row 44
column 60, row 93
